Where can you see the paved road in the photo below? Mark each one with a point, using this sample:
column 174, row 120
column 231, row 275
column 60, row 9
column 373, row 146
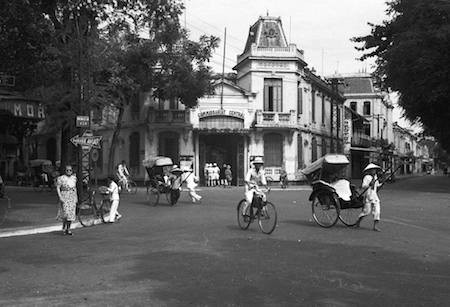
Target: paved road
column 196, row 255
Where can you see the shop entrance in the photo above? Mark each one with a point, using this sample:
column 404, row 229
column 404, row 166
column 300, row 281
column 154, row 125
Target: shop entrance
column 222, row 149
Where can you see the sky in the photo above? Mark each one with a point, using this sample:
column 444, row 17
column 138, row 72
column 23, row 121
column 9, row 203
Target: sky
column 322, row 28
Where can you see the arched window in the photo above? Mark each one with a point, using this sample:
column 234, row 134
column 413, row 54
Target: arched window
column 168, row 145
column 366, row 110
column 313, row 149
column 353, row 106
column 134, row 150
column 273, row 149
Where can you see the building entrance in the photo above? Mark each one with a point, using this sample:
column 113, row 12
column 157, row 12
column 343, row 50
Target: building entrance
column 222, row 149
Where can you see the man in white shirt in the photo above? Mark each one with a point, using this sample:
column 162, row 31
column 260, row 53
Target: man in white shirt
column 113, row 189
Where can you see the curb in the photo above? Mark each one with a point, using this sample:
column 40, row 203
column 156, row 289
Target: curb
column 30, row 230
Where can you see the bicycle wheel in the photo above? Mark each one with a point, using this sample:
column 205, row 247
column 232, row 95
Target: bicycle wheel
column 105, row 208
column 243, row 218
column 153, row 196
column 349, row 214
column 325, row 211
column 86, row 214
column 132, row 187
column 267, row 218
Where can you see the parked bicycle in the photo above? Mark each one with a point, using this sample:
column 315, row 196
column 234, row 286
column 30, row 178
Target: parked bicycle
column 88, row 211
column 264, row 211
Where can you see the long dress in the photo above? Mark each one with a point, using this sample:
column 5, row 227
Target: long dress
column 68, row 188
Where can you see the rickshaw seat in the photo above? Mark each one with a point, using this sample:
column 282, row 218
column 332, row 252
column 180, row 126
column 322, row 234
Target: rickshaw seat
column 343, row 190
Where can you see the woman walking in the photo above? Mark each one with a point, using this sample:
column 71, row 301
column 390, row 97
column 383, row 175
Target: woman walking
column 66, row 187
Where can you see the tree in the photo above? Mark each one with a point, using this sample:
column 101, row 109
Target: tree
column 413, row 58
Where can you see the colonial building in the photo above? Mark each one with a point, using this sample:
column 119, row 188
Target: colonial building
column 274, row 107
column 376, row 133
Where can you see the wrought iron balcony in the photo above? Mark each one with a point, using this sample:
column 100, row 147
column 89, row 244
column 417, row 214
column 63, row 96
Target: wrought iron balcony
column 169, row 116
column 275, row 119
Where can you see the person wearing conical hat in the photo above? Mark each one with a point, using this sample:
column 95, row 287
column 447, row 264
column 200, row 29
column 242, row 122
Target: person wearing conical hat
column 371, row 200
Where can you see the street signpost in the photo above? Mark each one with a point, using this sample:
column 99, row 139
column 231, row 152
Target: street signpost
column 82, row 121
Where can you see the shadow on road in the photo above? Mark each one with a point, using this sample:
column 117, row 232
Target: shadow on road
column 261, row 272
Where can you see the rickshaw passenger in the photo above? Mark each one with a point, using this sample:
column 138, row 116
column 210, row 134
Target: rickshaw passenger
column 255, row 177
column 342, row 187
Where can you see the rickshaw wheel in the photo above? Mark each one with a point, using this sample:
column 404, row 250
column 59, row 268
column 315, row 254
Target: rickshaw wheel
column 86, row 214
column 153, row 196
column 132, row 186
column 244, row 220
column 349, row 216
column 267, row 218
column 325, row 210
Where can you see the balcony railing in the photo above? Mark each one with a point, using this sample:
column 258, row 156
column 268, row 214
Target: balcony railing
column 360, row 139
column 275, row 119
column 169, row 116
column 289, row 51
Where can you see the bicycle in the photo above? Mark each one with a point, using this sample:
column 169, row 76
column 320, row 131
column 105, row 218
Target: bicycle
column 264, row 211
column 128, row 185
column 88, row 211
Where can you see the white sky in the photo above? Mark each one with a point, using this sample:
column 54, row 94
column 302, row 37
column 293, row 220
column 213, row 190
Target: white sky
column 322, row 28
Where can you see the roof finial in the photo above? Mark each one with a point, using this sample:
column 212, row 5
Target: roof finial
column 267, row 13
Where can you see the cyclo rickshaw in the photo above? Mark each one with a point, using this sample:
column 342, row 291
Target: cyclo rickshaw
column 158, row 169
column 332, row 197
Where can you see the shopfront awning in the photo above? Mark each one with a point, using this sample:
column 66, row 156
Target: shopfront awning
column 367, row 149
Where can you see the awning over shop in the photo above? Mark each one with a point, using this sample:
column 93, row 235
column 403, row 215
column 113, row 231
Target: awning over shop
column 368, row 149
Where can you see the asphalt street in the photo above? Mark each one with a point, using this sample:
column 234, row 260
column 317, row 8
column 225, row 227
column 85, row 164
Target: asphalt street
column 196, row 255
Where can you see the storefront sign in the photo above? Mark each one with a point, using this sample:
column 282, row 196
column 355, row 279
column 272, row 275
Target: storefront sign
column 82, row 121
column 24, row 109
column 221, row 112
column 347, row 134
column 87, row 141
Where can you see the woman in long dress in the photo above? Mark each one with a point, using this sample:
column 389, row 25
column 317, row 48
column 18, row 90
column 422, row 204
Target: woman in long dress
column 66, row 187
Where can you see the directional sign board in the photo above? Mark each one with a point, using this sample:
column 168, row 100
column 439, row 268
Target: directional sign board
column 87, row 140
column 82, row 121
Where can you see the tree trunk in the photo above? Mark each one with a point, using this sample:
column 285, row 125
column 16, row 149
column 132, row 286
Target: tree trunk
column 114, row 140
column 66, row 150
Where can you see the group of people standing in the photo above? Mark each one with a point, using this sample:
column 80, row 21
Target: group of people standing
column 218, row 176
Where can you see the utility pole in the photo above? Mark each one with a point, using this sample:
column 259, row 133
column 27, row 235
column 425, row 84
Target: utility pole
column 223, row 66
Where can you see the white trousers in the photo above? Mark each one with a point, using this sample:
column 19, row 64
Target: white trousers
column 194, row 196
column 113, row 212
column 371, row 206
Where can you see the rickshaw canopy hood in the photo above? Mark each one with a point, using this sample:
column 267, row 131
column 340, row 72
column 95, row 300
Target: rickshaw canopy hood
column 157, row 161
column 328, row 159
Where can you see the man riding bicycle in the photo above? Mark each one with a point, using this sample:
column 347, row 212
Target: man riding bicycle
column 123, row 174
column 254, row 178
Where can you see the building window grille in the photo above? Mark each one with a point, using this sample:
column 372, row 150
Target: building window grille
column 367, row 129
column 353, row 106
column 313, row 106
column 299, row 99
column 273, row 149
column 273, row 91
column 299, row 151
column 366, row 107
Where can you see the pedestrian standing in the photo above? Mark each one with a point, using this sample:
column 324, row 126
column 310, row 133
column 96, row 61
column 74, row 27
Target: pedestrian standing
column 191, row 184
column 222, row 175
column 66, row 187
column 371, row 200
column 114, row 197
column 228, row 176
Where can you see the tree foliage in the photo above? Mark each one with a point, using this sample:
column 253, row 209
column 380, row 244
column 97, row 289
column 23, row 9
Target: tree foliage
column 412, row 51
column 84, row 54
